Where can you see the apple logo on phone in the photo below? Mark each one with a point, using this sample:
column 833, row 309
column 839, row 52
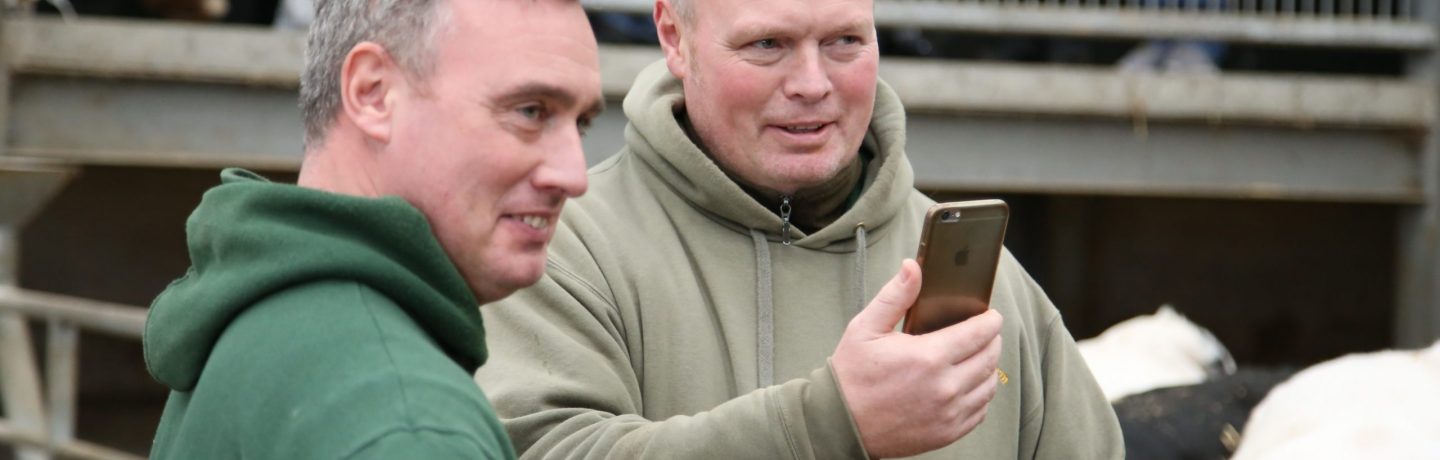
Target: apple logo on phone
column 962, row 257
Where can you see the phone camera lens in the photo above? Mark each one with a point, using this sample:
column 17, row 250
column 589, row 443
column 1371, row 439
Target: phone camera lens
column 946, row 215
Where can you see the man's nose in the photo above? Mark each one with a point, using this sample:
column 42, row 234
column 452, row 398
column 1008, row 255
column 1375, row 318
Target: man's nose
column 564, row 168
column 808, row 81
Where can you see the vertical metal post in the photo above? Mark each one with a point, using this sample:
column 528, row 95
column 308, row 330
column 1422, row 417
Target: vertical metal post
column 1417, row 309
column 62, row 351
column 19, row 379
column 9, row 256
column 5, row 52
column 21, row 384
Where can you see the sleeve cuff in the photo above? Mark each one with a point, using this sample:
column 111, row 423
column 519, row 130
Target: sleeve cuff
column 832, row 428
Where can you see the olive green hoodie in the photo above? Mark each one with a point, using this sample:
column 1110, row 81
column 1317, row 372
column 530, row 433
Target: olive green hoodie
column 314, row 325
column 675, row 322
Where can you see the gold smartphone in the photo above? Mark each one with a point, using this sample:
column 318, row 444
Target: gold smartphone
column 959, row 253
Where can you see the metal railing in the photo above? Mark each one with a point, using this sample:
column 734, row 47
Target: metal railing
column 1373, row 10
column 39, row 414
column 46, row 427
column 1374, row 24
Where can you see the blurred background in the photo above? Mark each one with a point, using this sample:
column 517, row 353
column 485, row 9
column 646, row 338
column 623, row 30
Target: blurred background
column 1266, row 167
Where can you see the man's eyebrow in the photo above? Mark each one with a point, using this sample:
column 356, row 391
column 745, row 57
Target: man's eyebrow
column 756, row 29
column 596, row 106
column 763, row 29
column 536, row 90
column 858, row 25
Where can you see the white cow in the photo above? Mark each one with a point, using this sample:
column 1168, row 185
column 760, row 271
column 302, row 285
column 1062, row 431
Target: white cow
column 1153, row 351
column 1374, row 405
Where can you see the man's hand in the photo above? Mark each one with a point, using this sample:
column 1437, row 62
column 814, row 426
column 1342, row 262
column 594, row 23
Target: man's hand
column 913, row 394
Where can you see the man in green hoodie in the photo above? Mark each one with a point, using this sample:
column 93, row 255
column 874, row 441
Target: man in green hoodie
column 336, row 318
column 705, row 299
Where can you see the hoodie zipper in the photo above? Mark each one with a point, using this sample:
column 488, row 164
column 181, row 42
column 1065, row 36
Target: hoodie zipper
column 785, row 220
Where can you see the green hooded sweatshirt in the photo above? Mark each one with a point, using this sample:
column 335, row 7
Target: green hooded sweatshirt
column 675, row 322
column 313, row 325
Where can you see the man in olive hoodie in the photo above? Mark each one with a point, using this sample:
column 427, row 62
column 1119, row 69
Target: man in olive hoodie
column 701, row 301
column 336, row 318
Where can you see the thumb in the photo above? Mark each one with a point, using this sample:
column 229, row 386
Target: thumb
column 894, row 299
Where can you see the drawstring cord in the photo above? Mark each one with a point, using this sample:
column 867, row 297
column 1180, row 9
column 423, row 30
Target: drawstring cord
column 765, row 298
column 765, row 312
column 859, row 284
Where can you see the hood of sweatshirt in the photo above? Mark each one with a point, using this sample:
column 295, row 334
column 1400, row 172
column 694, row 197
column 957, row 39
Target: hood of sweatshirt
column 656, row 136
column 251, row 238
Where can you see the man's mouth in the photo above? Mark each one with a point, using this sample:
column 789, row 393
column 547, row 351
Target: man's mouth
column 537, row 222
column 803, row 129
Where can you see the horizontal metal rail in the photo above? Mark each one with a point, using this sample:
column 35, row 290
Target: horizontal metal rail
column 932, row 86
column 1328, row 23
column 1379, row 10
column 74, row 449
column 1292, row 100
column 115, row 319
column 119, row 48
column 65, row 316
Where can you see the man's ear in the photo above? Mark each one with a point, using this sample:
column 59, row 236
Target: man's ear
column 668, row 27
column 368, row 82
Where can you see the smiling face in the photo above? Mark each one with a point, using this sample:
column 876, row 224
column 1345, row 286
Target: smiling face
column 488, row 145
column 779, row 91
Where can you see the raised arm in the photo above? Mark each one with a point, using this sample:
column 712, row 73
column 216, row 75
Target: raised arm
column 561, row 378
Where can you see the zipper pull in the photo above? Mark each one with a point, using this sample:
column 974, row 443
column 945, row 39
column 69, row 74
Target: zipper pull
column 785, row 220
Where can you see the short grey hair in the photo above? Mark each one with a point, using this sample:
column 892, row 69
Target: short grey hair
column 405, row 28
column 684, row 9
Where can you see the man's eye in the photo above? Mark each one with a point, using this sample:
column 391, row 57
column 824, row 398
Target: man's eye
column 583, row 125
column 848, row 40
column 532, row 111
column 766, row 44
